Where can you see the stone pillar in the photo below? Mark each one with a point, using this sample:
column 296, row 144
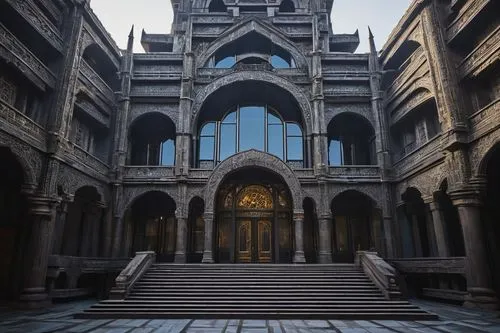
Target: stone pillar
column 389, row 243
column 416, row 236
column 439, row 229
column 298, row 223
column 325, row 238
column 208, row 257
column 118, row 222
column 430, row 232
column 43, row 215
column 181, row 244
column 57, row 240
column 477, row 272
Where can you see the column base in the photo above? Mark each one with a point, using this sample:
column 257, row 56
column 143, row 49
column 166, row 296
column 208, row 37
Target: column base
column 180, row 258
column 34, row 298
column 325, row 258
column 481, row 298
column 207, row 258
column 299, row 258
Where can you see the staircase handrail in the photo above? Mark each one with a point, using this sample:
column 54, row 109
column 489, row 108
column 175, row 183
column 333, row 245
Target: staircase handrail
column 135, row 269
column 380, row 272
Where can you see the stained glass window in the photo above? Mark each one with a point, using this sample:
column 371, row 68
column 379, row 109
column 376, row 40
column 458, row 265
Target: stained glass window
column 255, row 197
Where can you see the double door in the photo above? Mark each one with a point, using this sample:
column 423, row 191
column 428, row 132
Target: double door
column 254, row 240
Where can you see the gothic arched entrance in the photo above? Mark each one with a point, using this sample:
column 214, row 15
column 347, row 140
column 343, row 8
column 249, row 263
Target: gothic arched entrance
column 253, row 220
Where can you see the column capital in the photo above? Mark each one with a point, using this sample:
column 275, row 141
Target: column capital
column 466, row 198
column 41, row 205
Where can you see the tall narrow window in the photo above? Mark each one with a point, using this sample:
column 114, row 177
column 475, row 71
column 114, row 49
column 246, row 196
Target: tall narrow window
column 167, row 153
column 252, row 128
column 275, row 135
column 228, row 136
column 295, row 142
column 207, row 143
column 335, row 153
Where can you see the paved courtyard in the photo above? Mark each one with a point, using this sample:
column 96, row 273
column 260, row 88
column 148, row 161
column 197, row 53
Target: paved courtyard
column 60, row 319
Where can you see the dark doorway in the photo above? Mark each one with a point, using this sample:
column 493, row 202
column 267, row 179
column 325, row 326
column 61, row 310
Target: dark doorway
column 13, row 225
column 352, row 218
column 154, row 225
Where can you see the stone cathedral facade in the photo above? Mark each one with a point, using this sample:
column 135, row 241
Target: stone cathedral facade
column 252, row 133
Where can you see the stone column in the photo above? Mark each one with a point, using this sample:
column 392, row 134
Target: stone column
column 416, row 236
column 439, row 229
column 43, row 215
column 325, row 238
column 430, row 232
column 298, row 223
column 388, row 240
column 181, row 244
column 57, row 240
column 477, row 272
column 208, row 257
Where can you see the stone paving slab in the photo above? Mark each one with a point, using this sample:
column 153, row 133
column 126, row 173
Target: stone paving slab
column 59, row 319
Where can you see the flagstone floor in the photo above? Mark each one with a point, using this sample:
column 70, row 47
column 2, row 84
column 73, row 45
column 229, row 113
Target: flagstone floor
column 59, row 318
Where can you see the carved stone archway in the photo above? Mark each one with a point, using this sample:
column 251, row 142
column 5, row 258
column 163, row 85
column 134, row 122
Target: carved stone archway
column 252, row 159
column 253, row 76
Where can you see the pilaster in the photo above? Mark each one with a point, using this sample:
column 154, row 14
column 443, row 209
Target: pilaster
column 325, row 222
column 43, row 213
column 208, row 257
column 298, row 223
column 477, row 271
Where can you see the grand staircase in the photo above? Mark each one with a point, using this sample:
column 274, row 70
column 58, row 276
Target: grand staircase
column 256, row 292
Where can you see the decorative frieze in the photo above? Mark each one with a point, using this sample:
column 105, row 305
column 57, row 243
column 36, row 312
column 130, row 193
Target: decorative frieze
column 467, row 13
column 21, row 121
column 87, row 159
column 155, row 90
column 96, row 80
column 38, row 20
column 418, row 156
column 355, row 171
column 483, row 56
column 12, row 50
column 143, row 173
column 485, row 120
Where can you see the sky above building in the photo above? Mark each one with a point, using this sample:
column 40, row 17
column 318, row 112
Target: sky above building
column 155, row 16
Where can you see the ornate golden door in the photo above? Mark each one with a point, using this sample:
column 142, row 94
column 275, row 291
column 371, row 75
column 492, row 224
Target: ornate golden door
column 244, row 241
column 264, row 243
column 254, row 241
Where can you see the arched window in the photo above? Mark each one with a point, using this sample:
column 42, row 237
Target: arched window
column 153, row 141
column 287, row 6
column 253, row 48
column 250, row 127
column 217, row 6
column 351, row 141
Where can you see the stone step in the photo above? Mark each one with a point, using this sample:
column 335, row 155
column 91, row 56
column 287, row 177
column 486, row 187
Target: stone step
column 255, row 292
column 340, row 315
column 187, row 297
column 271, row 301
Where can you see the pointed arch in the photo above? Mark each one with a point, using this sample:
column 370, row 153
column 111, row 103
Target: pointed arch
column 254, row 26
column 217, row 6
column 287, row 6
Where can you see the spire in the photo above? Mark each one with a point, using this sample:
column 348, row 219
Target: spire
column 373, row 48
column 130, row 44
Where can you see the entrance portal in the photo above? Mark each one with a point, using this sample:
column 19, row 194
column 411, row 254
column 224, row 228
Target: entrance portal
column 254, row 222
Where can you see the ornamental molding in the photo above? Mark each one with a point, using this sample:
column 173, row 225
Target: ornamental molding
column 133, row 192
column 30, row 160
column 247, row 76
column 15, row 52
column 251, row 159
column 252, row 25
column 71, row 180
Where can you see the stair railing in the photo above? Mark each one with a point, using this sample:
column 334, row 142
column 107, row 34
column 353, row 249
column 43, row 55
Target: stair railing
column 132, row 273
column 380, row 272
